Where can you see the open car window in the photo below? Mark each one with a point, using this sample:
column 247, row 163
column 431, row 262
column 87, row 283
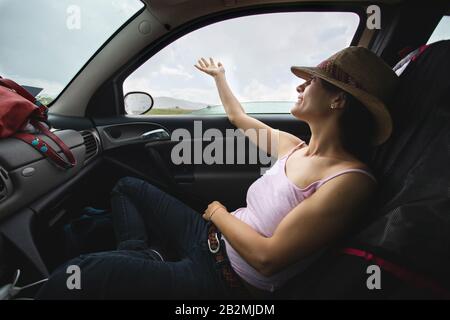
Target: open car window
column 257, row 52
column 45, row 43
column 442, row 31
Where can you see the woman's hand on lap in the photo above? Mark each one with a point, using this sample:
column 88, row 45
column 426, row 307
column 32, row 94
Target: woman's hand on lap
column 212, row 209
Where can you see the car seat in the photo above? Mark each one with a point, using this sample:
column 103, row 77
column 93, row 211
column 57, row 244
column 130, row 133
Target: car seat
column 407, row 233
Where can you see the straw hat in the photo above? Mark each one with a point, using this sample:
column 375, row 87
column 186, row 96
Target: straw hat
column 364, row 75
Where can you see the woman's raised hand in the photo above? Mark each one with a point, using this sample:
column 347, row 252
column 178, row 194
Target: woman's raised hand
column 210, row 67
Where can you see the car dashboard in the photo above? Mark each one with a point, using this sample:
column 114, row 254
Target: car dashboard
column 32, row 195
column 26, row 175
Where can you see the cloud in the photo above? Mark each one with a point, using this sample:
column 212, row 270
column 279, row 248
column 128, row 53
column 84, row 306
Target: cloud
column 258, row 91
column 256, row 51
column 442, row 31
column 127, row 8
column 51, row 88
column 177, row 71
column 205, row 95
column 40, row 46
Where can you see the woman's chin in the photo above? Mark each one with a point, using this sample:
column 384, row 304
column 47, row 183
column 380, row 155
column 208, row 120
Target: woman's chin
column 295, row 110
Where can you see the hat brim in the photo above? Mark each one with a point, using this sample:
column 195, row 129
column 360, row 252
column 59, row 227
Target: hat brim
column 383, row 120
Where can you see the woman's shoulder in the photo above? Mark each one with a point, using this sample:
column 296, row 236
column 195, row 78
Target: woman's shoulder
column 368, row 179
column 343, row 163
column 348, row 163
column 288, row 143
column 354, row 164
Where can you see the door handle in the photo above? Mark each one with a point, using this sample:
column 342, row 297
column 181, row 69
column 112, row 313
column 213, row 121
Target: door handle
column 156, row 135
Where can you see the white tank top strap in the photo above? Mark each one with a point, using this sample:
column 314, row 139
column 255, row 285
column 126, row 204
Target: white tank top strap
column 345, row 171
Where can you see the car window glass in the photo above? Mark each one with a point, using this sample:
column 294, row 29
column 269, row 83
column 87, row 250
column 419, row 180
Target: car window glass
column 442, row 31
column 45, row 43
column 257, row 53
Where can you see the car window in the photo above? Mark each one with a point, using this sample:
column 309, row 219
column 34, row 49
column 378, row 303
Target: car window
column 442, row 31
column 257, row 53
column 45, row 43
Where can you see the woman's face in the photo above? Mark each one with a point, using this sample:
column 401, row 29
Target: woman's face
column 313, row 100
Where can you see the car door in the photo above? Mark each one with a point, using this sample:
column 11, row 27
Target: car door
column 196, row 182
column 146, row 144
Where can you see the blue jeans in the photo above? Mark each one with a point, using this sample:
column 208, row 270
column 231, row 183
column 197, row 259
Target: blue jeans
column 133, row 271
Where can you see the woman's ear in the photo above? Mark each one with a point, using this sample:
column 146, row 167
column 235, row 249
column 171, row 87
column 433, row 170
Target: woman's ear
column 339, row 100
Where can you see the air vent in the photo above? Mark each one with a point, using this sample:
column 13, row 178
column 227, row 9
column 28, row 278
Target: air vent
column 2, row 189
column 4, row 184
column 90, row 143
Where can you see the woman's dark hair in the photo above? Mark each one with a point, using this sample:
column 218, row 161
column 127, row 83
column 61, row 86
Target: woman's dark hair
column 357, row 126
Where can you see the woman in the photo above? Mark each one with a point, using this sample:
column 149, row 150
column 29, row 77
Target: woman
column 313, row 195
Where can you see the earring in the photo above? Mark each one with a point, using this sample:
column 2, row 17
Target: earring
column 333, row 106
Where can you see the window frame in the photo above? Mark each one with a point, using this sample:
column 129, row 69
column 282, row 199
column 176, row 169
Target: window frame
column 108, row 40
column 206, row 20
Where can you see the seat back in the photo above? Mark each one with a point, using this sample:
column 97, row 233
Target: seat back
column 410, row 223
column 413, row 167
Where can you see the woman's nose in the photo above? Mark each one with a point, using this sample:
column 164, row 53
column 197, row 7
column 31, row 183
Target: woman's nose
column 302, row 87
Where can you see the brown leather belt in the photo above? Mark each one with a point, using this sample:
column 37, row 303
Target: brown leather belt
column 217, row 248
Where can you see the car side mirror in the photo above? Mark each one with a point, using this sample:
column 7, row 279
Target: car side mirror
column 138, row 103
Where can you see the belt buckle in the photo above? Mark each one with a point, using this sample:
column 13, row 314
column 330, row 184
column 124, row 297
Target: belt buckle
column 218, row 244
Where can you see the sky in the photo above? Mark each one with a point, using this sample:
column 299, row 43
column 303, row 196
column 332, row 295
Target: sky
column 442, row 30
column 257, row 52
column 39, row 49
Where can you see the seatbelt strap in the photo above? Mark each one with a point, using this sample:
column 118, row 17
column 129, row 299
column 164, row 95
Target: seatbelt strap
column 408, row 276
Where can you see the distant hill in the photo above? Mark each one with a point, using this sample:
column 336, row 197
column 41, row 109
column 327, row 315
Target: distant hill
column 170, row 103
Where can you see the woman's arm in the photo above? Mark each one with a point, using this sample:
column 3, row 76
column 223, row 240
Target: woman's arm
column 262, row 135
column 315, row 223
column 251, row 245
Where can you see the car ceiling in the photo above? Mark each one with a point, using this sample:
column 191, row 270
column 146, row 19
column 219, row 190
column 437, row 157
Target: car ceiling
column 175, row 12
